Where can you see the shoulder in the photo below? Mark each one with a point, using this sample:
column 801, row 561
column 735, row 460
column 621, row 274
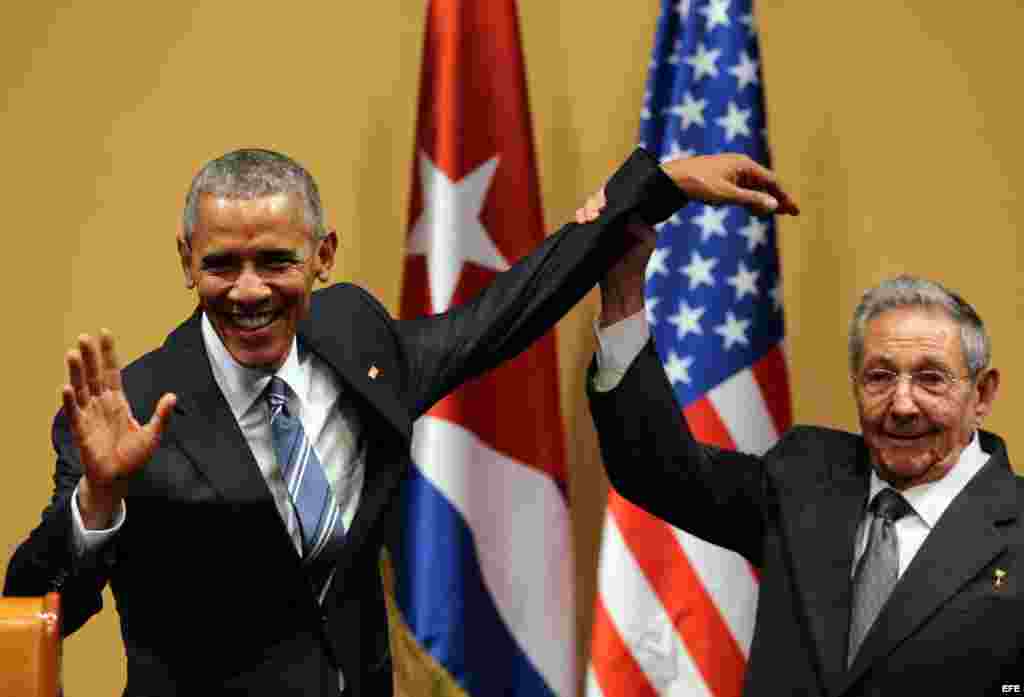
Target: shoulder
column 996, row 448
column 816, row 453
column 350, row 299
column 816, row 440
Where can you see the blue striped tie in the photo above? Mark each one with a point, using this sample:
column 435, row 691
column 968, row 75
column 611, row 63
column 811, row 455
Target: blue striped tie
column 312, row 497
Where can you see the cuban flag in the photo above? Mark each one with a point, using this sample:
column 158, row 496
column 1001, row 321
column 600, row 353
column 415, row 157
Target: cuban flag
column 675, row 615
column 483, row 578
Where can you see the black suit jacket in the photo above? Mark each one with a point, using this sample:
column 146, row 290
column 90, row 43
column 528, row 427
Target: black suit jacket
column 948, row 628
column 211, row 596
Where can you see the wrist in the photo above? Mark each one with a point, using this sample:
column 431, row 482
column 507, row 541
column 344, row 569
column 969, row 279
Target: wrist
column 97, row 505
column 617, row 306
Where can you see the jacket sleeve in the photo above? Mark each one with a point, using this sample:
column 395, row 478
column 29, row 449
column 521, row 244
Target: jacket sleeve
column 653, row 460
column 442, row 351
column 46, row 561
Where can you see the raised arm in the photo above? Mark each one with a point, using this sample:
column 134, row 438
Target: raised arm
column 525, row 301
column 99, row 444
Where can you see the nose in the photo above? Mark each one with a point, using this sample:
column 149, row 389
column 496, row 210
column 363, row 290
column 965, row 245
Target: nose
column 903, row 403
column 248, row 288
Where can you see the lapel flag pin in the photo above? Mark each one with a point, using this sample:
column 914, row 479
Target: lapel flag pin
column 373, row 372
column 998, row 578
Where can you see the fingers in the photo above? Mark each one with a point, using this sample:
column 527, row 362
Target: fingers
column 67, row 394
column 111, row 366
column 161, row 415
column 76, row 378
column 90, row 351
column 92, row 367
column 592, row 208
column 597, row 202
column 762, row 203
column 757, row 176
column 787, row 205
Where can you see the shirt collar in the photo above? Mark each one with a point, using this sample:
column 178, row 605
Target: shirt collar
column 242, row 385
column 930, row 500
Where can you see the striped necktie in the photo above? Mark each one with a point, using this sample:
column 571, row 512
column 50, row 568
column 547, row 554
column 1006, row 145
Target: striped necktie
column 311, row 495
column 878, row 567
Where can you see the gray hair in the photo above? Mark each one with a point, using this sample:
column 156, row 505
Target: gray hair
column 252, row 173
column 908, row 291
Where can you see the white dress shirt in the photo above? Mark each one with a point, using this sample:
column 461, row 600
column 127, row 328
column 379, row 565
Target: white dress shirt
column 928, row 501
column 618, row 346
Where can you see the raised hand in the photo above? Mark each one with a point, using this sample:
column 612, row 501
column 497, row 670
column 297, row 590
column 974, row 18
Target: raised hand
column 730, row 178
column 723, row 178
column 714, row 179
column 111, row 443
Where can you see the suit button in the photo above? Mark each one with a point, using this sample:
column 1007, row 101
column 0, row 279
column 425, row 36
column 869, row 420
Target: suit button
column 323, row 618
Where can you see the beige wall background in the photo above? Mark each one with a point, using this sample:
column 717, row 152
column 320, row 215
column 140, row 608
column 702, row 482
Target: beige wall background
column 895, row 123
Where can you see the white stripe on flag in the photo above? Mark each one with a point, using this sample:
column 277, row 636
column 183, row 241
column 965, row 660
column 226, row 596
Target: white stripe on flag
column 521, row 528
column 741, row 407
column 591, row 688
column 727, row 578
column 642, row 622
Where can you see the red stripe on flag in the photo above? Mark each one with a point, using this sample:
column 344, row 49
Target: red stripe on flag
column 773, row 379
column 706, row 425
column 708, row 640
column 617, row 672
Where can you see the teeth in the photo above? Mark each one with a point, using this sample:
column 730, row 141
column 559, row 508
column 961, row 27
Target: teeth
column 256, row 321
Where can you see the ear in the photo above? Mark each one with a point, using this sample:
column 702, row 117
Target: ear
column 185, row 256
column 326, row 250
column 987, row 387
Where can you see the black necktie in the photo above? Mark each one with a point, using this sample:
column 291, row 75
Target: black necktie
column 878, row 567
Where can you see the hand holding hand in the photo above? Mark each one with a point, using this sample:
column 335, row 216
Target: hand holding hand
column 112, row 444
column 713, row 179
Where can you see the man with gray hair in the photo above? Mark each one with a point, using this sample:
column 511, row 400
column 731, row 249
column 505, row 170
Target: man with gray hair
column 890, row 562
column 260, row 449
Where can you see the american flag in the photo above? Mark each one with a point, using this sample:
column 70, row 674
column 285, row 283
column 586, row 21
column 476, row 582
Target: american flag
column 674, row 614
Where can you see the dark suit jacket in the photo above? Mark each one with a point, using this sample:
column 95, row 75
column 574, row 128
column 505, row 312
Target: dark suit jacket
column 211, row 596
column 793, row 513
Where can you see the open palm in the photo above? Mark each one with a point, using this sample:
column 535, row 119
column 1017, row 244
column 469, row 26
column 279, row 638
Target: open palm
column 111, row 442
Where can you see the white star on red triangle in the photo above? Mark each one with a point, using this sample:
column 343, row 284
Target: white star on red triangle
column 449, row 231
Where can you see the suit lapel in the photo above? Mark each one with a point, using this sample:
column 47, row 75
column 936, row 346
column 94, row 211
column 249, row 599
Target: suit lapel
column 962, row 543
column 821, row 531
column 360, row 372
column 204, row 425
column 386, row 426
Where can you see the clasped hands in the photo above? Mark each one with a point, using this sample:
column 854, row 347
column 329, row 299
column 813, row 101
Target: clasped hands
column 726, row 178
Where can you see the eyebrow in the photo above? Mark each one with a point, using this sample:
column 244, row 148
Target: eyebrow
column 218, row 257
column 269, row 254
column 926, row 362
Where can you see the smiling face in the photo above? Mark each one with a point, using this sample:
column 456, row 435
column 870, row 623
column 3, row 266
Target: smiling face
column 913, row 436
column 253, row 262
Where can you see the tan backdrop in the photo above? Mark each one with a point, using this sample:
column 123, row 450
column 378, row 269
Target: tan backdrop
column 897, row 125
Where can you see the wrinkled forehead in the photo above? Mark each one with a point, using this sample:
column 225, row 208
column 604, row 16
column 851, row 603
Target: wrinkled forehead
column 909, row 336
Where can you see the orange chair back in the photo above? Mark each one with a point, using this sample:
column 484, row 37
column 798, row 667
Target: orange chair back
column 30, row 646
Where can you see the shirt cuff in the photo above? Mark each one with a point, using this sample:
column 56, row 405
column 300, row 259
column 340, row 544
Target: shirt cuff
column 88, row 541
column 618, row 346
